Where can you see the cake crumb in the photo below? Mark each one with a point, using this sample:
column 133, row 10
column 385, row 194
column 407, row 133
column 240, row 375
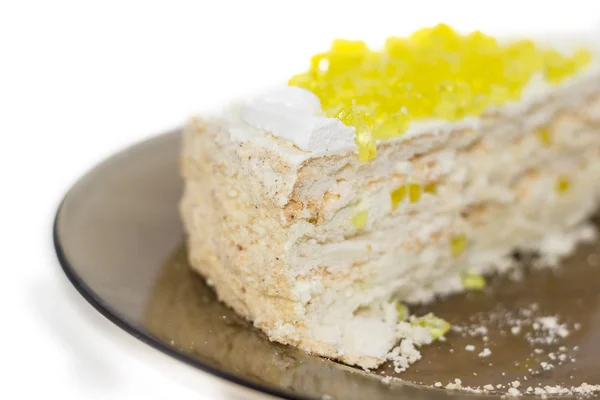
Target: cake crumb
column 438, row 384
column 552, row 327
column 539, row 391
column 552, row 389
column 515, row 384
column 488, row 387
column 546, row 366
column 513, row 392
column 404, row 355
column 470, row 347
column 586, row 389
column 481, row 330
column 485, row 352
column 457, row 384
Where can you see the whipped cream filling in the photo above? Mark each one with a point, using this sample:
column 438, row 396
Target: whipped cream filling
column 290, row 120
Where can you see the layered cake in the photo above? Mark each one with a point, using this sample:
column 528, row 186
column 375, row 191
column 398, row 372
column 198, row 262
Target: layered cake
column 380, row 178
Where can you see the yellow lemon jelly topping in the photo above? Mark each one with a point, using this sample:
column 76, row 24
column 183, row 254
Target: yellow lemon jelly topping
column 434, row 73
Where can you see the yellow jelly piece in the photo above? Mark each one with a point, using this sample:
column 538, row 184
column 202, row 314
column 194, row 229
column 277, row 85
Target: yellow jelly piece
column 362, row 119
column 345, row 115
column 434, row 73
column 318, row 62
column 557, row 67
column 391, row 126
column 498, row 95
column 397, row 196
column 359, row 219
column 544, row 136
column 562, row 185
column 458, row 244
column 471, row 280
column 367, row 149
column 414, row 192
column 430, row 188
column 436, row 326
column 348, row 46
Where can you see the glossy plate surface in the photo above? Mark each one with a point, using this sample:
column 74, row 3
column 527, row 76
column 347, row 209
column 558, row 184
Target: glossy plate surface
column 119, row 240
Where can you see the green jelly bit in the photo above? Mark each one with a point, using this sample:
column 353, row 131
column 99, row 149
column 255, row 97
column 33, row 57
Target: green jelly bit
column 402, row 312
column 472, row 280
column 436, row 326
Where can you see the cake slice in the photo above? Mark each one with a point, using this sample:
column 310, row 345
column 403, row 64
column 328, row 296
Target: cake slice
column 384, row 178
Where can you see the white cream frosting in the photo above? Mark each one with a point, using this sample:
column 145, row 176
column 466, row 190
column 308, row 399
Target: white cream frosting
column 295, row 114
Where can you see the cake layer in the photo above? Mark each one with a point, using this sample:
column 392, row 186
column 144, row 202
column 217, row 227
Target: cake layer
column 316, row 247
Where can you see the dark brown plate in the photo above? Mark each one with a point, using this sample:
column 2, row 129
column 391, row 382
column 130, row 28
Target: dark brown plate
column 119, row 239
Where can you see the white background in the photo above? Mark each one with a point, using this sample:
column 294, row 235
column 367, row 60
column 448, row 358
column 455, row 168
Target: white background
column 81, row 79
